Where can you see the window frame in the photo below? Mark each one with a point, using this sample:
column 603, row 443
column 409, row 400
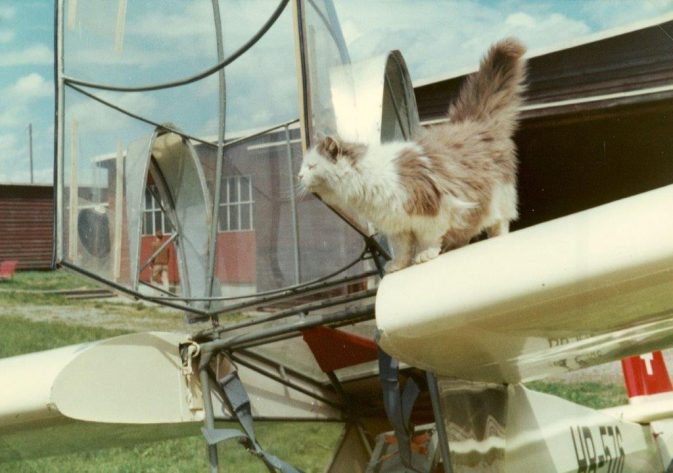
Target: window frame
column 155, row 208
column 238, row 204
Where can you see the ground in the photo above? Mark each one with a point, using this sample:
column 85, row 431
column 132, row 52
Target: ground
column 33, row 318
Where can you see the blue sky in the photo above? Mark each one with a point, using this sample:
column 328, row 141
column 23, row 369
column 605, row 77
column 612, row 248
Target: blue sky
column 437, row 37
column 26, row 88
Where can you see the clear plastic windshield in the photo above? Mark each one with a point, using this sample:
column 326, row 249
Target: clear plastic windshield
column 179, row 145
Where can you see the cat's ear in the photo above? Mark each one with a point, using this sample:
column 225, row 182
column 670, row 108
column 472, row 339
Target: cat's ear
column 331, row 146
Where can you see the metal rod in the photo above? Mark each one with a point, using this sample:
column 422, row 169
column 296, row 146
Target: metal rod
column 293, row 207
column 351, row 319
column 295, row 292
column 285, row 382
column 222, row 110
column 158, row 251
column 305, row 119
column 221, row 65
column 30, row 150
column 309, row 307
column 286, row 291
column 173, row 130
column 126, row 290
column 295, row 327
column 256, row 356
column 73, row 201
column 338, row 387
column 245, row 138
column 433, row 388
column 156, row 288
column 208, row 409
column 158, row 177
column 57, row 250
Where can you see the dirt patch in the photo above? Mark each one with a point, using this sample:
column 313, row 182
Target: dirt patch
column 113, row 314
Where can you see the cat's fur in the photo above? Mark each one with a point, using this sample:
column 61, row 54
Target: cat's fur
column 450, row 184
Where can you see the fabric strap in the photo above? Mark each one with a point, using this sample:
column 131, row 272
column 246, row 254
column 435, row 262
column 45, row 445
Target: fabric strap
column 238, row 402
column 398, row 404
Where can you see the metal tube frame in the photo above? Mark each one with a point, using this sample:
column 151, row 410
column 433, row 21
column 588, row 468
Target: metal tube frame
column 301, row 309
column 159, row 250
column 212, row 70
column 59, row 117
column 209, row 349
column 433, row 388
column 284, row 382
column 253, row 299
column 293, row 208
column 222, row 110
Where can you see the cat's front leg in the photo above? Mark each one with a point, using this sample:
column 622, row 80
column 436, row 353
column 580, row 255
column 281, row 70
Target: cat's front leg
column 428, row 247
column 500, row 228
column 403, row 246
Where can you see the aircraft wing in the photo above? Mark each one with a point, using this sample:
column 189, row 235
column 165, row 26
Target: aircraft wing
column 122, row 391
column 585, row 289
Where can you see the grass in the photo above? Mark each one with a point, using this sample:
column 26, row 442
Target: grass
column 306, row 445
column 590, row 394
column 19, row 336
column 46, row 281
column 30, row 291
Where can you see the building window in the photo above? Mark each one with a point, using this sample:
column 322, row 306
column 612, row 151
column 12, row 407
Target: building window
column 154, row 218
column 236, row 204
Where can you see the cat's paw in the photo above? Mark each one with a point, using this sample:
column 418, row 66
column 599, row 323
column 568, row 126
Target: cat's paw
column 393, row 266
column 426, row 255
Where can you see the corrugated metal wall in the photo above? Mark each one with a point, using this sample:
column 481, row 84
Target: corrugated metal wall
column 26, row 223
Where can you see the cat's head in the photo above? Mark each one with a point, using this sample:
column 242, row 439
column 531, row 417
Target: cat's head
column 328, row 163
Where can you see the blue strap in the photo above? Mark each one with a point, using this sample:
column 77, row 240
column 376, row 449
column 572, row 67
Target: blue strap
column 398, row 405
column 215, row 436
column 239, row 404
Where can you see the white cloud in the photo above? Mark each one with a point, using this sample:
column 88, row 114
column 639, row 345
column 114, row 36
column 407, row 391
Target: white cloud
column 6, row 35
column 18, row 98
column 7, row 143
column 29, row 87
column 13, row 166
column 93, row 116
column 520, row 20
column 609, row 15
column 37, row 54
column 7, row 12
column 14, row 156
column 437, row 41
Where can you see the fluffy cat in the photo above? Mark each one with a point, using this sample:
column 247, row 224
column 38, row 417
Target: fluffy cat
column 452, row 182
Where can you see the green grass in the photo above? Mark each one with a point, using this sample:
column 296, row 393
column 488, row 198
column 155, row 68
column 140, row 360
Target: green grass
column 306, row 445
column 46, row 281
column 33, row 290
column 19, row 336
column 36, row 287
column 590, row 394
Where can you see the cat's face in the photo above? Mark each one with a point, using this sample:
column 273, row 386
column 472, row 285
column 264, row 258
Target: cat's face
column 322, row 165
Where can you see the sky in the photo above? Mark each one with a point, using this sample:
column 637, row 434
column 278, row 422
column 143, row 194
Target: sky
column 436, row 37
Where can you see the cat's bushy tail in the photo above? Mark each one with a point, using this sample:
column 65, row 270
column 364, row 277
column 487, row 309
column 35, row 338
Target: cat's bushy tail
column 494, row 92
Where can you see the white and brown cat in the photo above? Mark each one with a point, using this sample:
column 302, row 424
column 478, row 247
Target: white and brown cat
column 452, row 182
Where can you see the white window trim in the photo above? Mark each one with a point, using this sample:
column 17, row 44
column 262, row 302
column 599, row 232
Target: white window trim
column 155, row 207
column 238, row 205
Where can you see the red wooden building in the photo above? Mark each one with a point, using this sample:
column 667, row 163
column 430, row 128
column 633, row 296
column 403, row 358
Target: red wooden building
column 26, row 224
